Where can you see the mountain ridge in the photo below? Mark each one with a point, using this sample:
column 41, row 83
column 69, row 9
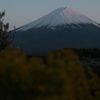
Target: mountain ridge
column 39, row 38
column 60, row 16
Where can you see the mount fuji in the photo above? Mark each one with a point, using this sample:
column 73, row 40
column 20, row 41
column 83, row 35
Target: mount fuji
column 62, row 28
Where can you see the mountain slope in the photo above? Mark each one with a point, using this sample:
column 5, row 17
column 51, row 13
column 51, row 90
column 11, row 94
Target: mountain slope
column 62, row 28
column 60, row 16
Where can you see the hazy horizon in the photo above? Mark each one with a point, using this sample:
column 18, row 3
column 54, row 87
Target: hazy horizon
column 19, row 13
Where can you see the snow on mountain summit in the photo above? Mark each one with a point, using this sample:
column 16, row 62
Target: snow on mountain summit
column 60, row 16
column 62, row 28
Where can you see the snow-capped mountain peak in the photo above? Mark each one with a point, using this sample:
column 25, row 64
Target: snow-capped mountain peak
column 60, row 16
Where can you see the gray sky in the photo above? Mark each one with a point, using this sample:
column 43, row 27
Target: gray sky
column 21, row 12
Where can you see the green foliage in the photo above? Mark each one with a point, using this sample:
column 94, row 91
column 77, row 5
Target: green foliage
column 5, row 39
column 93, row 84
column 62, row 78
column 87, row 53
column 71, row 74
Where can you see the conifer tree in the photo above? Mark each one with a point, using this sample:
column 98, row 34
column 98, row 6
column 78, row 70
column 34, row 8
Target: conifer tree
column 5, row 38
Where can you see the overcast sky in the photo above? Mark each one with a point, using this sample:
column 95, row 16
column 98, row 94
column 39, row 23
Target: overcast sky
column 21, row 12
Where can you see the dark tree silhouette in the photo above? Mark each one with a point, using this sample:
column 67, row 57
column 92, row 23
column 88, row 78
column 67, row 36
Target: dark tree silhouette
column 5, row 38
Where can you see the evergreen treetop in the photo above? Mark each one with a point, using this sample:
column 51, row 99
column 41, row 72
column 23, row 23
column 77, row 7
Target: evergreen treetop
column 5, row 38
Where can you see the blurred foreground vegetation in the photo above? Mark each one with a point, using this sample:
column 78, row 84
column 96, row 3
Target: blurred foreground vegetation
column 62, row 77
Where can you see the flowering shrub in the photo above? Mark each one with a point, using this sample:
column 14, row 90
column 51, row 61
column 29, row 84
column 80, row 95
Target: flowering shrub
column 62, row 78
